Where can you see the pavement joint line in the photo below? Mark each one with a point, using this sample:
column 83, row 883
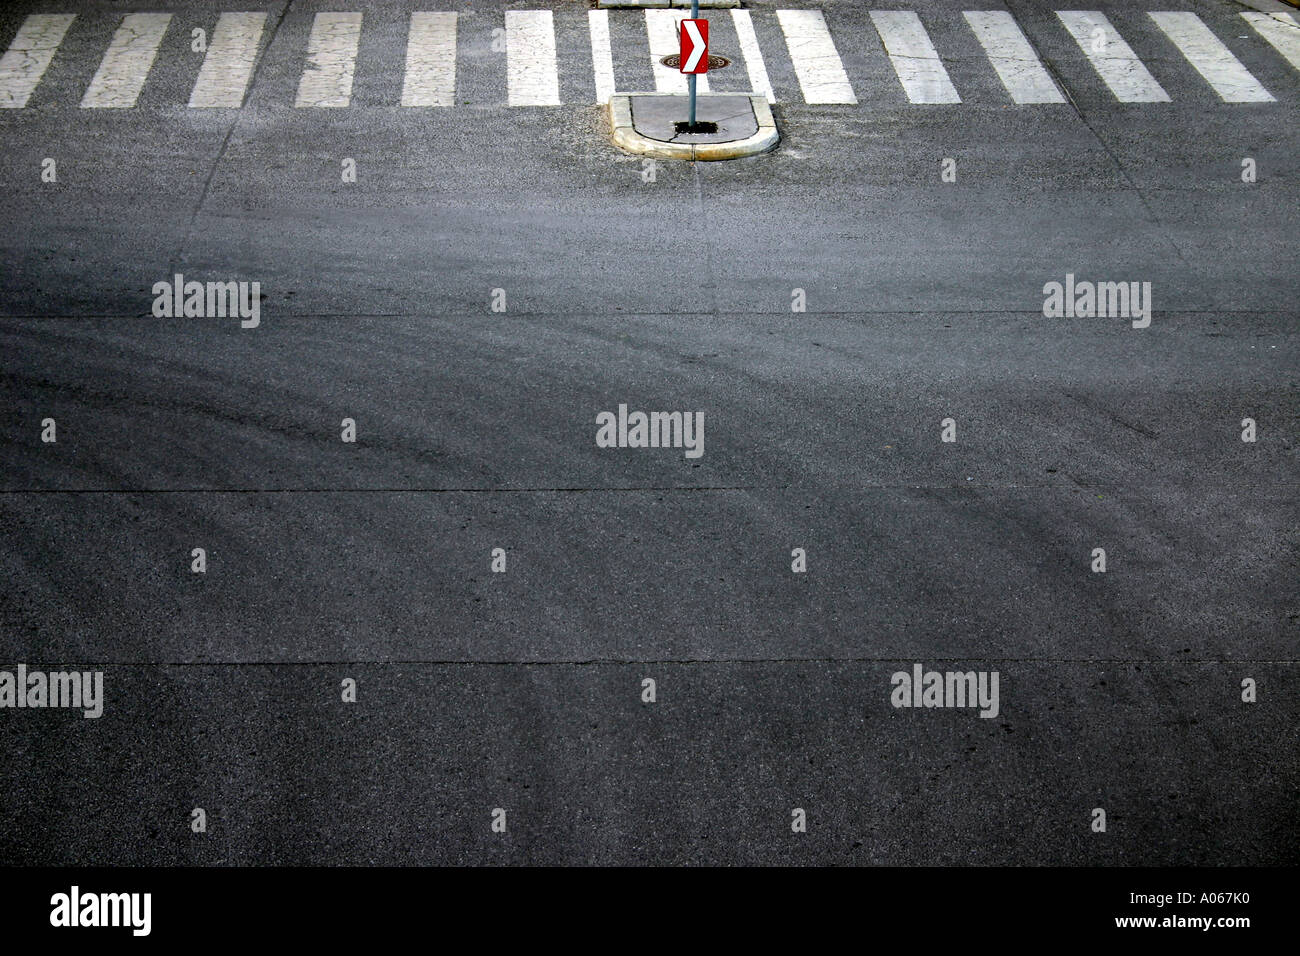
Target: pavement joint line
column 693, row 489
column 382, row 491
column 701, row 215
column 1059, row 79
column 203, row 194
column 234, row 123
column 1116, row 164
column 694, row 661
column 936, row 313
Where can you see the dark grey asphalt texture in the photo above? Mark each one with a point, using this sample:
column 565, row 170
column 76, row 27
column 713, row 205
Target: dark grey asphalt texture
column 476, row 430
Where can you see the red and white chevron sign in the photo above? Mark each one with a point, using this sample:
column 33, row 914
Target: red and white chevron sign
column 695, row 46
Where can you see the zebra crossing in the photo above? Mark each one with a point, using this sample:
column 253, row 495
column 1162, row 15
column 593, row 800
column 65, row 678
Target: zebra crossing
column 1112, row 58
column 228, row 66
column 1012, row 56
column 29, row 56
column 811, row 46
column 331, row 58
column 531, row 61
column 430, row 78
column 914, row 57
column 816, row 61
column 1211, row 58
column 130, row 56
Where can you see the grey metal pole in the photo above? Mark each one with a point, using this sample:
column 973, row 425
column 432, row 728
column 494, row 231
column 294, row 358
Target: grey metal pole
column 690, row 79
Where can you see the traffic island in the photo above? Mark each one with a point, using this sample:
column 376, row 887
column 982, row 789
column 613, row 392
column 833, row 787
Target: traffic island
column 727, row 125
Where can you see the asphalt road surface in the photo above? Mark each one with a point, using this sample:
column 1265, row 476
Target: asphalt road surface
column 495, row 278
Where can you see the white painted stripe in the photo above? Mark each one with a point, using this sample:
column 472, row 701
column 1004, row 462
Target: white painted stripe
column 27, row 58
column 914, row 57
column 232, row 51
column 125, row 66
column 430, row 61
column 532, row 72
column 602, row 55
column 1281, row 30
column 1011, row 54
column 331, row 60
column 1112, row 58
column 1214, row 61
column 661, row 27
column 816, row 62
column 754, row 64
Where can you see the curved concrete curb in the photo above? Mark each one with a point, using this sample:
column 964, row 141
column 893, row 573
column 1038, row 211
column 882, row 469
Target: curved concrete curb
column 625, row 136
column 1270, row 6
